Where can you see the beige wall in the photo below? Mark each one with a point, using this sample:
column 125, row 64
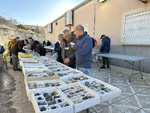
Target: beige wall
column 85, row 16
column 57, row 29
column 108, row 19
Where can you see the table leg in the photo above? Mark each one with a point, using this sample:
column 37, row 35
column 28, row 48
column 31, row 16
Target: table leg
column 131, row 72
column 100, row 67
column 109, row 65
column 96, row 60
column 140, row 69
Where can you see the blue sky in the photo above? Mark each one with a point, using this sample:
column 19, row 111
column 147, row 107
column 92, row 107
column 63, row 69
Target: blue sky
column 33, row 12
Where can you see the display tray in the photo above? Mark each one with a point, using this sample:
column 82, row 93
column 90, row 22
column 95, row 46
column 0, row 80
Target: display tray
column 41, row 76
column 75, row 78
column 33, row 65
column 50, row 100
column 56, row 66
column 60, row 69
column 35, row 70
column 32, row 85
column 69, row 72
column 49, row 65
column 80, row 96
column 27, row 60
column 104, row 90
column 47, row 62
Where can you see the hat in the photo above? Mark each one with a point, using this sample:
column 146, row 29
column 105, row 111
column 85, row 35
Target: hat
column 102, row 36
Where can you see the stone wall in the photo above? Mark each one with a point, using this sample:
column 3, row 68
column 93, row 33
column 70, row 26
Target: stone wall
column 8, row 34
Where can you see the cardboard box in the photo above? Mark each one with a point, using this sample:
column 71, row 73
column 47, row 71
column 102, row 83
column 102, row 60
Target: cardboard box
column 86, row 103
column 27, row 60
column 28, row 90
column 66, row 78
column 67, row 109
column 69, row 72
column 108, row 95
column 35, row 70
column 33, row 65
column 55, row 76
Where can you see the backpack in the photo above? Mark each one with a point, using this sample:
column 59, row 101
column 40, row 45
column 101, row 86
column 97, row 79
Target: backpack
column 94, row 42
column 2, row 49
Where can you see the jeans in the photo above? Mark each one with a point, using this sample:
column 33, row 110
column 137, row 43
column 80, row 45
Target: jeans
column 84, row 70
column 15, row 61
column 105, row 60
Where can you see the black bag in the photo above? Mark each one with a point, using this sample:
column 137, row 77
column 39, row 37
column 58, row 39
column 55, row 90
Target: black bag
column 2, row 49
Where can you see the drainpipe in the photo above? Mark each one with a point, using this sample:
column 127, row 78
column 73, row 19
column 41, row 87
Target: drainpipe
column 94, row 18
column 70, row 27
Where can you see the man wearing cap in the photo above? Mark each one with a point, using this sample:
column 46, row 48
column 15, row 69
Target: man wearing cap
column 18, row 47
column 105, row 48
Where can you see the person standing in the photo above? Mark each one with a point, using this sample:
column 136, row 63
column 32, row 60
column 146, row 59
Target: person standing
column 105, row 48
column 18, row 47
column 12, row 43
column 83, row 50
column 71, row 39
column 48, row 43
column 58, row 48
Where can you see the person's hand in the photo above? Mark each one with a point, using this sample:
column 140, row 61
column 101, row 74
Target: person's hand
column 72, row 46
column 66, row 60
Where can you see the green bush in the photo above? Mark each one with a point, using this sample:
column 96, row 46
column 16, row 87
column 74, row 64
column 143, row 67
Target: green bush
column 22, row 27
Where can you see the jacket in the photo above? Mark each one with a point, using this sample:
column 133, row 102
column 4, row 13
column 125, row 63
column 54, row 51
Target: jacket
column 105, row 47
column 71, row 50
column 12, row 42
column 33, row 47
column 40, row 49
column 18, row 47
column 83, row 51
column 58, row 50
column 48, row 43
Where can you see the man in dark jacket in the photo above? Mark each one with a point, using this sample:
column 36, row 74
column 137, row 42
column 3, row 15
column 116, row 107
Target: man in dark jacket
column 105, row 48
column 39, row 48
column 71, row 39
column 18, row 47
column 48, row 43
column 83, row 50
column 58, row 48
